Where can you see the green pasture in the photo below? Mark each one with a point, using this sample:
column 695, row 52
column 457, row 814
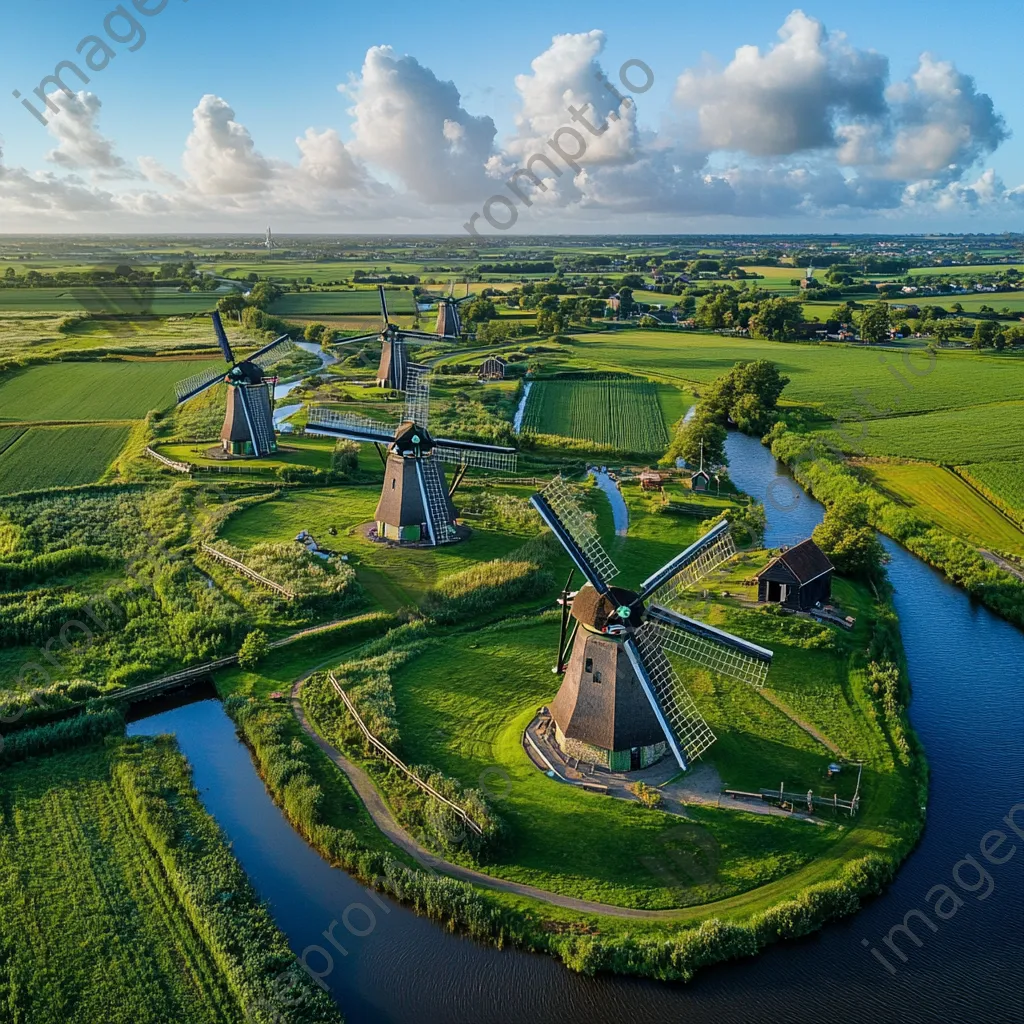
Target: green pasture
column 964, row 271
column 59, row 456
column 839, row 380
column 1001, row 482
column 163, row 302
column 359, row 301
column 980, row 433
column 108, row 390
column 940, row 496
column 625, row 414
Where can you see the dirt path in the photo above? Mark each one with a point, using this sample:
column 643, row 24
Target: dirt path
column 1003, row 564
column 776, row 702
column 386, row 822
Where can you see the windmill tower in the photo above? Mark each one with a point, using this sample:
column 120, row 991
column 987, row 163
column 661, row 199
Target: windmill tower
column 269, row 242
column 621, row 703
column 249, row 420
column 449, row 323
column 394, row 359
column 808, row 276
column 415, row 504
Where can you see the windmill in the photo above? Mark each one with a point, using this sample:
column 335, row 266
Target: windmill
column 449, row 323
column 249, row 421
column 621, row 703
column 394, row 359
column 415, row 504
column 269, row 242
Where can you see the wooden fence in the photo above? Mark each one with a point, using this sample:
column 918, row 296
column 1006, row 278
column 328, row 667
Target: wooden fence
column 387, row 754
column 246, row 571
column 179, row 467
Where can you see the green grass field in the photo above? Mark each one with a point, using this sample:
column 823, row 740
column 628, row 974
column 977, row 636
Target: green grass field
column 111, row 390
column 940, row 496
column 1002, row 482
column 980, row 433
column 164, row 302
column 837, row 380
column 91, row 929
column 59, row 456
column 361, row 301
column 624, row 414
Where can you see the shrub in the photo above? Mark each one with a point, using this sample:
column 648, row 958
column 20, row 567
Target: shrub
column 254, row 648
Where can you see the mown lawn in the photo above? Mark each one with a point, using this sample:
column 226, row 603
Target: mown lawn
column 59, row 456
column 940, row 496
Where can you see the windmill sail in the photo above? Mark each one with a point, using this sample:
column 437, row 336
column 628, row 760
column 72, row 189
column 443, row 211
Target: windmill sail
column 263, row 357
column 350, row 425
column 198, row 383
column 417, row 395
column 436, row 503
column 687, row 733
column 222, row 338
column 480, row 456
column 689, row 566
column 709, row 647
column 579, row 525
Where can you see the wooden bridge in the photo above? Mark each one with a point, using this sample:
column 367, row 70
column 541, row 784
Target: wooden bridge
column 388, row 755
column 246, row 571
column 178, row 467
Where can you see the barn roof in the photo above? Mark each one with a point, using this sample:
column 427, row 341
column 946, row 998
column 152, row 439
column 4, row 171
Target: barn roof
column 806, row 561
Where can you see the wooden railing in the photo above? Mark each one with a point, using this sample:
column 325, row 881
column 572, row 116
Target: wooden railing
column 386, row 753
column 170, row 682
column 246, row 571
column 180, row 467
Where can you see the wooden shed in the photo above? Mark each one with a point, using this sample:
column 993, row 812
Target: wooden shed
column 650, row 480
column 799, row 578
column 493, row 368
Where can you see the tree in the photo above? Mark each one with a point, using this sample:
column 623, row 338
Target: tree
column 9, row 273
column 984, row 334
column 687, row 442
column 626, row 301
column 479, row 311
column 314, row 332
column 846, row 536
column 1015, row 335
column 874, row 323
column 775, row 319
column 345, row 458
column 632, row 281
column 233, row 303
column 748, row 395
column 551, row 322
column 254, row 647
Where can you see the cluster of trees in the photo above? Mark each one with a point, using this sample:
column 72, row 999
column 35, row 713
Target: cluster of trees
column 746, row 396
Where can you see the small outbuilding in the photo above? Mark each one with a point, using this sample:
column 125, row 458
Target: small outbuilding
column 701, row 480
column 650, row 480
column 799, row 578
column 493, row 368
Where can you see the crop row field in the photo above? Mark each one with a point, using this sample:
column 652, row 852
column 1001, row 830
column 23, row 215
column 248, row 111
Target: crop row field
column 361, row 301
column 109, row 390
column 940, row 496
column 163, row 302
column 838, row 380
column 43, row 457
column 981, row 433
column 1002, row 483
column 624, row 414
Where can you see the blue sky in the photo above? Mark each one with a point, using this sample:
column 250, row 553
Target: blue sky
column 277, row 66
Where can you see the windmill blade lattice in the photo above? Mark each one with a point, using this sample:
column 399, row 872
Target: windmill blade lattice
column 198, row 383
column 417, row 394
column 686, row 731
column 708, row 647
column 361, row 428
column 580, row 526
column 273, row 353
column 689, row 567
column 479, row 458
column 222, row 338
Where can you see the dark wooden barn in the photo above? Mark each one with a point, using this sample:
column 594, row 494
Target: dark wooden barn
column 493, row 368
column 799, row 578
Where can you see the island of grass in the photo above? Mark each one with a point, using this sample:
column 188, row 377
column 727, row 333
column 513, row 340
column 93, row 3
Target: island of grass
column 453, row 695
